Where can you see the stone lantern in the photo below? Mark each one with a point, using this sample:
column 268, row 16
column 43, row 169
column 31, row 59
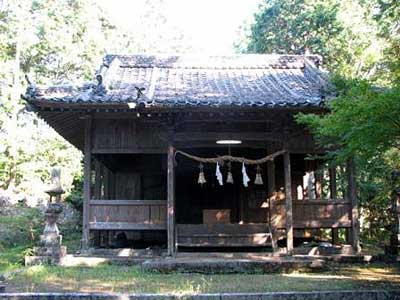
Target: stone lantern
column 50, row 250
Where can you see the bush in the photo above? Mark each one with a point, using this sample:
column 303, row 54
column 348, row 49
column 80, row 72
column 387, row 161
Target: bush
column 22, row 226
column 75, row 197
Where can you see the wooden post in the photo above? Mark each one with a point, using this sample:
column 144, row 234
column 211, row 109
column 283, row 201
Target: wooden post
column 319, row 182
column 87, row 182
column 352, row 193
column 332, row 182
column 288, row 197
column 333, row 195
column 171, row 201
column 270, row 190
column 271, row 177
column 394, row 210
column 106, row 180
column 97, row 179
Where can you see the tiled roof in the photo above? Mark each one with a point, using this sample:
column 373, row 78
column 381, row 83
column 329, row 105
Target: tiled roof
column 165, row 81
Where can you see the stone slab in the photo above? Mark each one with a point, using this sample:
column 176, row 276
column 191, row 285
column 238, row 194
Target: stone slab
column 213, row 266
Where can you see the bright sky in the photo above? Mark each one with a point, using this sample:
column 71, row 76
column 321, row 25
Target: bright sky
column 212, row 24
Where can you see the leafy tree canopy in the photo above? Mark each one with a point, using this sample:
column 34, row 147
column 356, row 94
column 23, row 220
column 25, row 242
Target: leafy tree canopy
column 56, row 41
column 360, row 44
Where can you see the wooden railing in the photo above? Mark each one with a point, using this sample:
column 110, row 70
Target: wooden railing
column 128, row 215
column 313, row 214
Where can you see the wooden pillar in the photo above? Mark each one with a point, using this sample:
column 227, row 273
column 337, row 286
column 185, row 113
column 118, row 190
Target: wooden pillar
column 97, row 179
column 319, row 181
column 171, row 201
column 288, row 197
column 270, row 190
column 106, row 180
column 395, row 214
column 333, row 195
column 271, row 177
column 332, row 182
column 352, row 193
column 87, row 181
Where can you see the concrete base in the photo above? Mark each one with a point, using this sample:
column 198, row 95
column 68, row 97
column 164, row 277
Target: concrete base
column 46, row 256
column 221, row 262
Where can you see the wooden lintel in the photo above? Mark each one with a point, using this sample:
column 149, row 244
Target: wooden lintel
column 128, row 202
column 132, row 150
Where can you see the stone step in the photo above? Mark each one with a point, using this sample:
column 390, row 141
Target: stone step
column 219, row 265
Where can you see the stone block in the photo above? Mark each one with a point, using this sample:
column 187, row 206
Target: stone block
column 37, row 260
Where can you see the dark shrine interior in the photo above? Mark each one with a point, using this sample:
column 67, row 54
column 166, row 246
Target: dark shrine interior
column 144, row 177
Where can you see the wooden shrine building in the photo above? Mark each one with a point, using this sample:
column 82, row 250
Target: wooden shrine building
column 153, row 128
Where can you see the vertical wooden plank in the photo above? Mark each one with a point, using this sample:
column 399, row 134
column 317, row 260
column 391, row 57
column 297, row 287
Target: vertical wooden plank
column 335, row 236
column 319, row 181
column 171, row 201
column 106, row 181
column 87, row 181
column 112, row 184
column 332, row 182
column 97, row 179
column 271, row 177
column 288, row 201
column 352, row 193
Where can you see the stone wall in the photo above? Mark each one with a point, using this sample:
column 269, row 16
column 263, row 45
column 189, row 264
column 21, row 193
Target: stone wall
column 333, row 295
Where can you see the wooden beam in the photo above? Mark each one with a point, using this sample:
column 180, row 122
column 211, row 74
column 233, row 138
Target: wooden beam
column 86, row 182
column 134, row 150
column 171, row 200
column 352, row 193
column 125, row 226
column 288, row 202
column 128, row 202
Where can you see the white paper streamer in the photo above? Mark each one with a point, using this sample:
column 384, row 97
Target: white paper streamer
column 219, row 175
column 246, row 178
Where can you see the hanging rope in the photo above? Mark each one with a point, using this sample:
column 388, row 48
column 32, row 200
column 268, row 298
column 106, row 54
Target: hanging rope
column 222, row 159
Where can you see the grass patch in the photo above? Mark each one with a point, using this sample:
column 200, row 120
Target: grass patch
column 11, row 259
column 111, row 278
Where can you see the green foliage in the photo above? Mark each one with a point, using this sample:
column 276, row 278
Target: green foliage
column 12, row 258
column 75, row 197
column 295, row 26
column 342, row 32
column 362, row 121
column 22, row 228
column 360, row 43
column 57, row 41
